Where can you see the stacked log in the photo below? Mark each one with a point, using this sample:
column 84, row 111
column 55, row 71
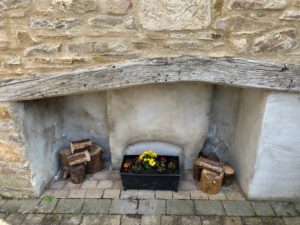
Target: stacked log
column 82, row 157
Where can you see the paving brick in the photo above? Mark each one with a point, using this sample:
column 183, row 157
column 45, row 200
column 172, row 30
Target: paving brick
column 58, row 184
column 220, row 196
column 48, row 192
column 89, row 184
column 69, row 206
column 170, row 220
column 104, row 184
column 60, row 193
column 114, row 174
column 71, row 220
column 33, row 219
column 146, row 194
column 102, row 175
column 91, row 220
column 228, row 220
column 211, row 220
column 188, row 185
column 130, row 220
column 77, row 194
column 252, row 221
column 132, row 194
column 111, row 220
column 53, row 219
column 29, row 206
column 14, row 219
column 197, row 194
column 11, row 206
column 94, row 193
column 152, row 207
column 72, row 186
column 188, row 175
column 150, row 220
column 181, row 195
column 46, row 206
column 209, row 207
column 163, row 194
column 126, row 206
column 118, row 184
column 111, row 193
column 96, row 206
column 263, row 209
column 285, row 209
column 234, row 195
column 238, row 208
column 292, row 220
column 272, row 221
column 190, row 220
column 180, row 207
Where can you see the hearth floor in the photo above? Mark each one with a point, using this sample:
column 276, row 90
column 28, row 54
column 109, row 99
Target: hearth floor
column 101, row 200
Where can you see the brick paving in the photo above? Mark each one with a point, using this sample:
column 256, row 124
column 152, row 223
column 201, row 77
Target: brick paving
column 98, row 201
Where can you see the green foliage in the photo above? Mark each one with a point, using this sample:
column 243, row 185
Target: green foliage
column 48, row 198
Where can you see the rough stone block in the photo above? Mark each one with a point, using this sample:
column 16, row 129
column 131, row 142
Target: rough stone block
column 33, row 219
column 291, row 15
column 82, row 47
column 181, row 195
column 64, row 24
column 272, row 221
column 174, row 15
column 211, row 220
column 91, row 220
column 94, row 193
column 71, row 220
column 163, row 194
column 190, row 220
column 257, row 4
column 262, row 209
column 206, row 207
column 9, row 152
column 77, row 194
column 152, row 207
column 29, row 206
column 170, row 220
column 180, row 207
column 238, row 208
column 111, row 220
column 146, row 195
column 52, row 220
column 119, row 206
column 130, row 220
column 198, row 195
column 69, row 206
column 46, row 206
column 285, row 209
column 132, row 194
column 96, row 206
column 103, row 184
column 232, row 221
column 111, row 193
column 252, row 221
column 150, row 220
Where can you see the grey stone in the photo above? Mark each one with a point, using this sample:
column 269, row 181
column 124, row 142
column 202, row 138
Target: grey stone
column 76, row 6
column 170, row 220
column 46, row 206
column 152, row 207
column 111, row 193
column 71, row 220
column 150, row 220
column 91, row 220
column 181, row 195
column 211, row 220
column 257, row 4
column 111, row 220
column 180, row 207
column 174, row 15
column 232, row 221
column 146, row 194
column 272, row 221
column 52, row 219
column 132, row 194
column 207, row 207
column 262, row 209
column 41, row 49
column 69, row 206
column 94, row 193
column 63, row 24
column 105, row 21
column 291, row 15
column 15, row 219
column 280, row 40
column 11, row 206
column 291, row 220
column 117, row 7
column 96, row 206
column 252, row 221
column 2, row 201
column 33, row 219
column 238, row 208
column 190, row 220
column 119, row 206
column 9, row 4
column 130, row 220
column 285, row 209
column 82, row 48
column 29, row 206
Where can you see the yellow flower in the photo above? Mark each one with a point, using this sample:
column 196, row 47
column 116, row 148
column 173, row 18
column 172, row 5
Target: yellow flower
column 152, row 162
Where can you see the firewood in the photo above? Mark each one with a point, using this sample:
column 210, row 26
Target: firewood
column 228, row 175
column 96, row 163
column 209, row 164
column 77, row 174
column 63, row 155
column 211, row 182
column 79, row 158
column 81, row 146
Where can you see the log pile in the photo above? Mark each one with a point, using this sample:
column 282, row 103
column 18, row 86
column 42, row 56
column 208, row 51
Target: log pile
column 82, row 157
column 212, row 174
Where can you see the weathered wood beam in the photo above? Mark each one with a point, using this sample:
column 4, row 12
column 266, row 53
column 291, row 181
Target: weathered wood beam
column 226, row 71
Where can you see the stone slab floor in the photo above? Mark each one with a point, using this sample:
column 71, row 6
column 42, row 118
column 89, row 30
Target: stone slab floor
column 101, row 200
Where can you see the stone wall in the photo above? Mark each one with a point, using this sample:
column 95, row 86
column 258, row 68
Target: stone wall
column 44, row 36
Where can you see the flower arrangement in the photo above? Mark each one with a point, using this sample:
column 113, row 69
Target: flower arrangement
column 149, row 162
